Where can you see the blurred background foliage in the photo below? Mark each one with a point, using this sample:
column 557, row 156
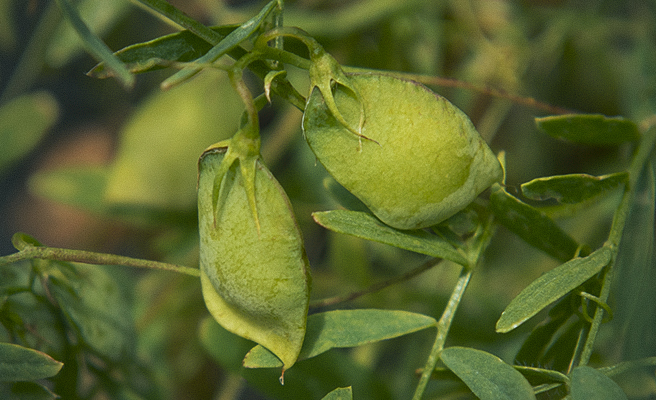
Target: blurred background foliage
column 88, row 165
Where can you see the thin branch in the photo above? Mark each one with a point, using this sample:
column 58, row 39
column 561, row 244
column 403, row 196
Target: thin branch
column 89, row 257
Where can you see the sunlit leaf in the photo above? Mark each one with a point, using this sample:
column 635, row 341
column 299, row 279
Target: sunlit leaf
column 156, row 162
column 589, row 384
column 593, row 129
column 571, row 189
column 486, row 375
column 345, row 328
column 532, row 225
column 340, row 394
column 550, row 286
column 18, row 363
column 366, row 226
column 23, row 122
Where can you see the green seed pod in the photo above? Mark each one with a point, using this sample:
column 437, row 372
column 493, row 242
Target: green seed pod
column 416, row 160
column 254, row 272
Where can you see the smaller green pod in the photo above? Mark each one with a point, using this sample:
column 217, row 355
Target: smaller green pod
column 416, row 159
column 255, row 275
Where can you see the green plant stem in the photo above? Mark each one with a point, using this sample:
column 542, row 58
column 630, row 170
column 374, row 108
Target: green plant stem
column 614, row 238
column 443, row 326
column 89, row 257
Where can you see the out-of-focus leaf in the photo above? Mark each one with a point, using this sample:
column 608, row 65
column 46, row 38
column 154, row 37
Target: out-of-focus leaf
column 100, row 16
column 532, row 225
column 95, row 305
column 340, row 394
column 345, row 328
column 158, row 53
column 81, row 187
column 635, row 309
column 486, row 375
column 94, row 45
column 345, row 198
column 18, row 363
column 574, row 188
column 366, row 226
column 310, row 379
column 23, row 122
column 592, row 129
column 7, row 25
column 551, row 286
column 25, row 391
column 156, row 164
column 589, row 384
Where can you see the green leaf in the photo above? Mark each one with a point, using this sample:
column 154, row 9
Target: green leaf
column 532, row 225
column 81, row 187
column 366, row 226
column 486, row 375
column 345, row 328
column 589, row 384
column 574, row 188
column 96, row 307
column 19, row 363
column 551, row 286
column 25, row 391
column 158, row 53
column 100, row 16
column 345, row 198
column 311, row 379
column 95, row 46
column 243, row 32
column 592, row 129
column 23, row 122
column 156, row 163
column 340, row 394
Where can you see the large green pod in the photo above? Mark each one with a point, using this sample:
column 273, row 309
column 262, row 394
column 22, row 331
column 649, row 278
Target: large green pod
column 418, row 159
column 255, row 279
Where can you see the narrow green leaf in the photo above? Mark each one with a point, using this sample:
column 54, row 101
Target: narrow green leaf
column 95, row 46
column 366, row 226
column 345, row 328
column 592, row 129
column 551, row 286
column 540, row 376
column 486, row 375
column 574, row 188
column 19, row 363
column 228, row 43
column 340, row 394
column 23, row 122
column 589, row 384
column 160, row 52
column 532, row 225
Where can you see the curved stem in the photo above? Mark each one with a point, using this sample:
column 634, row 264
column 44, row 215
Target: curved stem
column 89, row 257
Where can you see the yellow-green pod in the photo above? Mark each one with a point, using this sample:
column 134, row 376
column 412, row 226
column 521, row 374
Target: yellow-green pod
column 255, row 279
column 416, row 160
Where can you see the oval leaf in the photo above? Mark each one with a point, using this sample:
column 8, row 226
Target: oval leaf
column 340, row 394
column 532, row 225
column 486, row 375
column 589, row 384
column 366, row 226
column 574, row 188
column 594, row 129
column 23, row 122
column 550, row 287
column 19, row 363
column 345, row 328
